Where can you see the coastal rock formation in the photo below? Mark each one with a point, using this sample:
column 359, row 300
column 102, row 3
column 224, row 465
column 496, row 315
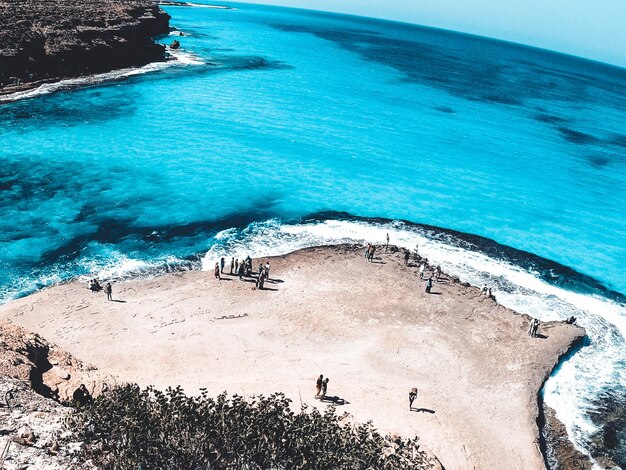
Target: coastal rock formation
column 42, row 40
column 49, row 370
column 35, row 376
column 561, row 453
column 368, row 326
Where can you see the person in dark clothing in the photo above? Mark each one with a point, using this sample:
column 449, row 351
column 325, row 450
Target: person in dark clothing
column 240, row 270
column 109, row 291
column 412, row 396
column 82, row 395
column 232, row 264
column 222, row 264
column 429, row 285
column 407, row 255
column 217, row 271
column 318, row 386
column 324, row 388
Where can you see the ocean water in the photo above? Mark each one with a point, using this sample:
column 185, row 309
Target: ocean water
column 275, row 129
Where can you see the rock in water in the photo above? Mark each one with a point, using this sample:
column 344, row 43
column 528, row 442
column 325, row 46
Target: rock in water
column 54, row 39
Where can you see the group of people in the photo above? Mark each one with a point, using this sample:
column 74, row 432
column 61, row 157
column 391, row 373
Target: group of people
column 321, row 387
column 95, row 286
column 243, row 268
column 369, row 252
column 488, row 292
column 532, row 329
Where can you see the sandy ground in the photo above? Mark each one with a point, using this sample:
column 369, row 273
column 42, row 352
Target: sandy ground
column 369, row 327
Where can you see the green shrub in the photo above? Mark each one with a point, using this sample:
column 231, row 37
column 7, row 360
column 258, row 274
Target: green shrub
column 130, row 428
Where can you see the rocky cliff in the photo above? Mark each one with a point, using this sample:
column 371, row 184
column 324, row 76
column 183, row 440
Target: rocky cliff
column 54, row 39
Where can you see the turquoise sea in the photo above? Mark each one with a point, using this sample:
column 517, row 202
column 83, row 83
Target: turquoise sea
column 275, row 129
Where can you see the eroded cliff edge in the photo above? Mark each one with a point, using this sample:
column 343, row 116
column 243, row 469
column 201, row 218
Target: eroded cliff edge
column 46, row 40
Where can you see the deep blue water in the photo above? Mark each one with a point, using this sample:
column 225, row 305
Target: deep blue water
column 272, row 115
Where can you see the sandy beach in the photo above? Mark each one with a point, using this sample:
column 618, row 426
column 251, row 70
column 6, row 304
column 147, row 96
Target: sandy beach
column 369, row 327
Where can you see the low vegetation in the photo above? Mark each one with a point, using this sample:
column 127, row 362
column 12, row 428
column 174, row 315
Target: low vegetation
column 130, row 428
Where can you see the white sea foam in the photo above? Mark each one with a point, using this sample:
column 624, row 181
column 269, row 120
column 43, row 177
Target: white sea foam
column 180, row 58
column 572, row 389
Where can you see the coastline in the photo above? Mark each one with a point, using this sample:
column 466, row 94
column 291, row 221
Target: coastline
column 53, row 41
column 477, row 372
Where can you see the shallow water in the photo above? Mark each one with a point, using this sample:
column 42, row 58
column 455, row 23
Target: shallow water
column 279, row 114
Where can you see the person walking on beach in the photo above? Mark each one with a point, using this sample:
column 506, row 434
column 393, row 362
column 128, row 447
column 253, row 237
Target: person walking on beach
column 367, row 251
column 324, row 388
column 422, row 267
column 429, row 285
column 318, row 386
column 222, row 264
column 387, row 245
column 412, row 397
column 108, row 289
column 267, row 270
column 407, row 255
column 232, row 264
column 217, row 271
column 372, row 250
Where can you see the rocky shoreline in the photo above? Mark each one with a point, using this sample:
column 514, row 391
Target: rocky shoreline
column 48, row 40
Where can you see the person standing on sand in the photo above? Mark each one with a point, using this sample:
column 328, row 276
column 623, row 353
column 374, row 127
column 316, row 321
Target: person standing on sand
column 232, row 264
column 261, row 280
column 367, row 251
column 535, row 327
column 429, row 285
column 108, row 289
column 407, row 255
column 222, row 264
column 267, row 269
column 372, row 250
column 217, row 271
column 412, row 397
column 324, row 388
column 240, row 271
column 318, row 386
column 422, row 267
column 387, row 245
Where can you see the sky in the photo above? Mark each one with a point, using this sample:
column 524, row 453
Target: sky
column 595, row 29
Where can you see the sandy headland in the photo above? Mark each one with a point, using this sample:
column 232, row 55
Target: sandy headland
column 369, row 327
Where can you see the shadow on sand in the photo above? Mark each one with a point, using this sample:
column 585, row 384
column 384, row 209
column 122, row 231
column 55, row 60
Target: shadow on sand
column 423, row 410
column 334, row 400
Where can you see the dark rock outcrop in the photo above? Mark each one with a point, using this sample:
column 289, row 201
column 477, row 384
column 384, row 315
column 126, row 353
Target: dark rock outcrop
column 560, row 452
column 42, row 40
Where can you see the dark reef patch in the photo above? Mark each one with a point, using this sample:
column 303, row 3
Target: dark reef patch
column 577, row 137
column 598, row 161
column 445, row 109
column 56, row 109
column 549, row 118
column 475, row 68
